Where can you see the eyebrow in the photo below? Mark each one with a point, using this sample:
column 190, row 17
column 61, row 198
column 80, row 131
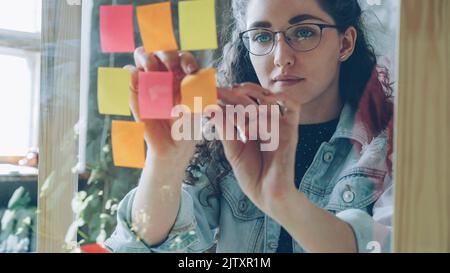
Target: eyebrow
column 294, row 20
column 303, row 17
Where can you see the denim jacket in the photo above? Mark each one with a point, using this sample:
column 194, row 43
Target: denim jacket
column 348, row 177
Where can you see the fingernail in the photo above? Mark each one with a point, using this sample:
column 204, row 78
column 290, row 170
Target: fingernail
column 241, row 136
column 190, row 69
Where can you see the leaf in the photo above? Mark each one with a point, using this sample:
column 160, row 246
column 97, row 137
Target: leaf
column 71, row 233
column 78, row 204
column 19, row 199
column 7, row 219
column 101, row 237
column 46, row 184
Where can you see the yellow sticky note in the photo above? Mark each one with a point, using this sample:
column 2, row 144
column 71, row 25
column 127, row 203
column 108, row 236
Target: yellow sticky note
column 202, row 84
column 197, row 21
column 156, row 27
column 112, row 91
column 128, row 144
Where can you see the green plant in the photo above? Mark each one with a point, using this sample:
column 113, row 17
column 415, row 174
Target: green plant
column 95, row 206
column 17, row 233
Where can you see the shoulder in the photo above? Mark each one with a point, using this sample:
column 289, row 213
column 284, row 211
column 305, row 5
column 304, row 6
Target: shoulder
column 361, row 180
column 373, row 153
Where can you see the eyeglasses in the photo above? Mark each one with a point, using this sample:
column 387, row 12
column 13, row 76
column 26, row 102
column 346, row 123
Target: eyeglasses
column 300, row 37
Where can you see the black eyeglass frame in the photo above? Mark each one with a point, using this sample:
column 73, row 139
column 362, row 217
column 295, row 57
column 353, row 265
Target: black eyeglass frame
column 274, row 33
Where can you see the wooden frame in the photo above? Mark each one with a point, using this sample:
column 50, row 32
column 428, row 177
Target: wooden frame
column 60, row 95
column 422, row 168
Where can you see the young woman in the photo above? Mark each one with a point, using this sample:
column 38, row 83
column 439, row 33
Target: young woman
column 328, row 186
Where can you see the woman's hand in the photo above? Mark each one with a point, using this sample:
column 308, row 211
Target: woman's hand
column 158, row 136
column 266, row 177
column 157, row 200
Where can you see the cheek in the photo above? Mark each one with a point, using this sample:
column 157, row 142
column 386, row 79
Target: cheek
column 263, row 68
column 324, row 64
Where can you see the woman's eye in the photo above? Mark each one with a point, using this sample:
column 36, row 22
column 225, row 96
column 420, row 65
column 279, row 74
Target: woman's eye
column 262, row 37
column 304, row 33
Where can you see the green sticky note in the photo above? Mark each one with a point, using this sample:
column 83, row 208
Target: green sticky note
column 197, row 21
column 112, row 91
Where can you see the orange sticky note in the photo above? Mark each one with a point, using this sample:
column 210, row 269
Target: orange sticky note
column 128, row 144
column 156, row 27
column 116, row 29
column 112, row 91
column 202, row 84
column 155, row 95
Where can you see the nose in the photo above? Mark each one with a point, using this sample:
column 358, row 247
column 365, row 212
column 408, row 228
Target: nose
column 283, row 53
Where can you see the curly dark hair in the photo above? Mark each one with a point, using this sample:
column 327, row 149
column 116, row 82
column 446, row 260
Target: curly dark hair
column 362, row 84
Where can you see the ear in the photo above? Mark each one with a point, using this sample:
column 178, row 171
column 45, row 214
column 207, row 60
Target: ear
column 348, row 43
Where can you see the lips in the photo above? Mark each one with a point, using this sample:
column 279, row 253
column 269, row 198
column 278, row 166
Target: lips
column 287, row 80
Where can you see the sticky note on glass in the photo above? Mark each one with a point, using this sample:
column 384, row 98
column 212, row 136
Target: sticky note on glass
column 155, row 95
column 112, row 91
column 202, row 84
column 94, row 248
column 128, row 144
column 116, row 29
column 197, row 21
column 156, row 27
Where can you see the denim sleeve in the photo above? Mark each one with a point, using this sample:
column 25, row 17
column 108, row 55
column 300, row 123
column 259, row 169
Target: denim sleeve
column 373, row 233
column 194, row 227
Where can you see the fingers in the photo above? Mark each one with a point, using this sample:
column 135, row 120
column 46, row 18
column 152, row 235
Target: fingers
column 175, row 61
column 287, row 111
column 146, row 61
column 242, row 114
column 231, row 97
column 245, row 118
column 254, row 91
column 226, row 131
column 289, row 107
column 170, row 60
column 249, row 87
column 188, row 63
column 286, row 102
column 180, row 63
column 134, row 77
column 133, row 93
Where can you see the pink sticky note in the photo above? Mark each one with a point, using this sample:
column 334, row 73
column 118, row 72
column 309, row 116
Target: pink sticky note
column 155, row 95
column 116, row 29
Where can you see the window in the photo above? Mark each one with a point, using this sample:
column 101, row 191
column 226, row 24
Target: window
column 21, row 15
column 20, row 26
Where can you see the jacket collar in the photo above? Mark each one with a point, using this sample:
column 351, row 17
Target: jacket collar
column 350, row 127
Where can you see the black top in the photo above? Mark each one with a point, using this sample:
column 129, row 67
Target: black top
column 311, row 138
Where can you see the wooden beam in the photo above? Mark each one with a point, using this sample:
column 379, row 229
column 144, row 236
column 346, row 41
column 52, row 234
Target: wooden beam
column 422, row 168
column 59, row 113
